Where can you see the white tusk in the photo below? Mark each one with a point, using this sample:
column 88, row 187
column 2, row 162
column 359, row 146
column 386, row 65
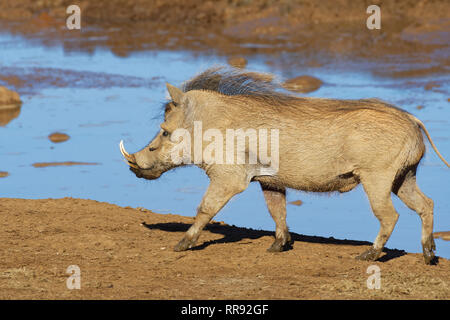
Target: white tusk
column 123, row 151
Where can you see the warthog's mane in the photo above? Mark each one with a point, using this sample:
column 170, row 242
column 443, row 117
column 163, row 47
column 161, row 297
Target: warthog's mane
column 234, row 82
column 242, row 85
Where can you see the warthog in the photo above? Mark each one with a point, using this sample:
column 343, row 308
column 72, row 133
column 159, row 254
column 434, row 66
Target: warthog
column 325, row 145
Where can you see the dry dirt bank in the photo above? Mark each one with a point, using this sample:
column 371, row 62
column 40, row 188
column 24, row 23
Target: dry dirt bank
column 126, row 253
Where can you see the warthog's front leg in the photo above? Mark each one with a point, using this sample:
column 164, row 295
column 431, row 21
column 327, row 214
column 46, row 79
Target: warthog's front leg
column 217, row 195
column 276, row 203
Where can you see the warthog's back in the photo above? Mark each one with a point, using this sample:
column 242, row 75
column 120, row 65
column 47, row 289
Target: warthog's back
column 324, row 143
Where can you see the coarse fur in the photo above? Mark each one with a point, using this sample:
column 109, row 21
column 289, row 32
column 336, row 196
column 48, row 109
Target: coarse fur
column 325, row 145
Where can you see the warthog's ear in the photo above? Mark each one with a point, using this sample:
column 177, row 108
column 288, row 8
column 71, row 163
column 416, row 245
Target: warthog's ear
column 175, row 93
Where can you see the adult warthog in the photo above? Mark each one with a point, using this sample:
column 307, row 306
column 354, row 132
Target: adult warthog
column 324, row 145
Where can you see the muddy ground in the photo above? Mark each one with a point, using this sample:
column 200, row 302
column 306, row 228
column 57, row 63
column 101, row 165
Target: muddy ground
column 126, row 253
column 319, row 31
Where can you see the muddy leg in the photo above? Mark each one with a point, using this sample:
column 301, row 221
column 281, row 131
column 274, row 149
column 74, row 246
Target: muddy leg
column 215, row 198
column 276, row 203
column 414, row 198
column 378, row 189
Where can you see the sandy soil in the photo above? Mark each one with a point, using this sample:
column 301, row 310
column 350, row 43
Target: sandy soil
column 126, row 253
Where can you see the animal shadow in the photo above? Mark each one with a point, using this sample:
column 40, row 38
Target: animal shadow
column 235, row 234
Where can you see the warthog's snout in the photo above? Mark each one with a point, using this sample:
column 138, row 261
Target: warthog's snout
column 130, row 159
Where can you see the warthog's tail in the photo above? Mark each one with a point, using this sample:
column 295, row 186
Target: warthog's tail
column 422, row 126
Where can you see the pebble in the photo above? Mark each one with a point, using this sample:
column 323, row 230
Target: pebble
column 237, row 62
column 58, row 137
column 303, row 84
column 8, row 96
column 296, row 202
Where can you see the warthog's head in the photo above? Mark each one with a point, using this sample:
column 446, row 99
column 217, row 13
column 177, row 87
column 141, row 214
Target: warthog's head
column 156, row 158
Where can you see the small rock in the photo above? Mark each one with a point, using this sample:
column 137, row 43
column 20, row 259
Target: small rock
column 296, row 202
column 237, row 62
column 3, row 174
column 9, row 105
column 258, row 76
column 419, row 107
column 58, row 137
column 303, row 84
column 8, row 96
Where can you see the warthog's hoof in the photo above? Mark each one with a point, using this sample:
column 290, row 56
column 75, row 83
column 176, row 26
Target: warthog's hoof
column 369, row 255
column 429, row 257
column 278, row 246
column 428, row 251
column 183, row 245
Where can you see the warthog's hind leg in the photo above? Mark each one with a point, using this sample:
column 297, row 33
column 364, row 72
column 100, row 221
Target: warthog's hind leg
column 408, row 191
column 378, row 188
column 276, row 203
column 217, row 195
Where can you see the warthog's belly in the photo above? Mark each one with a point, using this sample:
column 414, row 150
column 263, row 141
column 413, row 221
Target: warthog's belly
column 342, row 183
column 345, row 182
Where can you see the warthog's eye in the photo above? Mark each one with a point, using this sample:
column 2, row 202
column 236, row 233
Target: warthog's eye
column 165, row 134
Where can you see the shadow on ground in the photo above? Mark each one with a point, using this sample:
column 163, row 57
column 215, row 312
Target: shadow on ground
column 235, row 234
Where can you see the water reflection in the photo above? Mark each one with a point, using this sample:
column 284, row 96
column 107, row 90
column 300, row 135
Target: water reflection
column 8, row 113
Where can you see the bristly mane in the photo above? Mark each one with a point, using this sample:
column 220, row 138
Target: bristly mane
column 242, row 85
column 234, row 82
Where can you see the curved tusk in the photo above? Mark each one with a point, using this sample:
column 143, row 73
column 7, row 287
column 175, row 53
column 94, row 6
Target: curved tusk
column 124, row 152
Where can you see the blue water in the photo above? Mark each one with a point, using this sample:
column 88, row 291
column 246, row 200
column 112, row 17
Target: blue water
column 97, row 118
